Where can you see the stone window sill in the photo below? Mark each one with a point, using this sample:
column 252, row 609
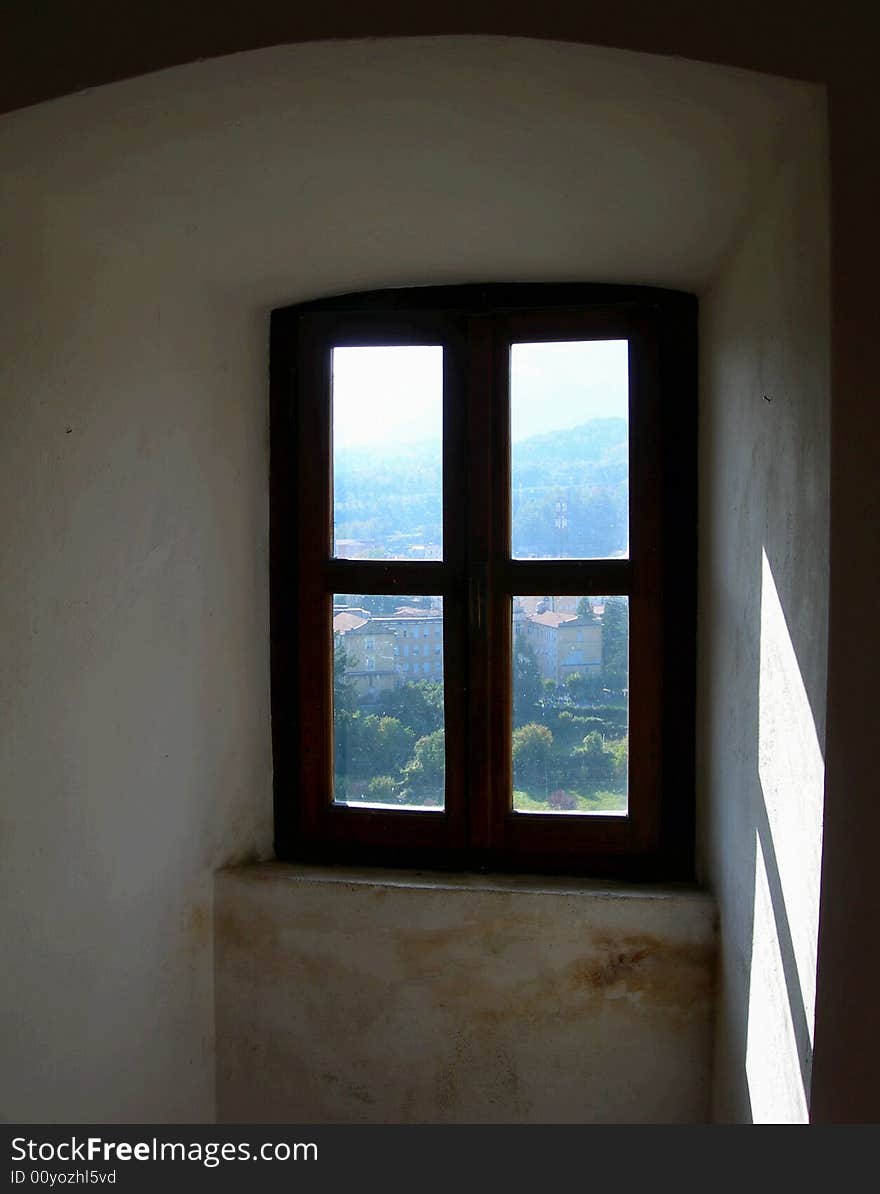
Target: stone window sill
column 347, row 995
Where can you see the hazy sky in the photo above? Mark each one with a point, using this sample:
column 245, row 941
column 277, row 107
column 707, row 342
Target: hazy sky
column 386, row 395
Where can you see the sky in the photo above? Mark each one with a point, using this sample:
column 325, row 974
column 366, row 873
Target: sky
column 386, row 395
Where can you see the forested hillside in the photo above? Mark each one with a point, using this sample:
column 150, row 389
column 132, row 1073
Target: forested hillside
column 394, row 500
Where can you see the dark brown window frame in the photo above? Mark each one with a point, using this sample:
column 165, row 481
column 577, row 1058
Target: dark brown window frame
column 478, row 830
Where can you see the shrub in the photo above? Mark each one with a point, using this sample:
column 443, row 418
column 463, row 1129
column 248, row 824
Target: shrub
column 560, row 799
column 597, row 762
column 620, row 752
column 427, row 766
column 532, row 746
column 382, row 790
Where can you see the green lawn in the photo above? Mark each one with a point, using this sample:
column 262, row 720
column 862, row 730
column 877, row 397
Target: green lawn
column 596, row 801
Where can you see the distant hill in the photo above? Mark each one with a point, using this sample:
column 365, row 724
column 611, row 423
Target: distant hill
column 393, row 500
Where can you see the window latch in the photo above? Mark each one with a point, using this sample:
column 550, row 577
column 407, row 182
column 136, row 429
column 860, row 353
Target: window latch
column 477, row 599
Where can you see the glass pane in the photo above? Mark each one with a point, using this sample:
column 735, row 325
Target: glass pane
column 569, row 430
column 389, row 746
column 387, row 452
column 570, row 704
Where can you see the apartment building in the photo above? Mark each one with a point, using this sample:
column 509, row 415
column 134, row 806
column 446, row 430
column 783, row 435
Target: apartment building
column 565, row 644
column 386, row 651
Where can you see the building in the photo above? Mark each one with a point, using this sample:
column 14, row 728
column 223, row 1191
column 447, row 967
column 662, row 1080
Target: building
column 369, row 652
column 564, row 643
column 566, row 604
column 384, row 651
column 418, row 643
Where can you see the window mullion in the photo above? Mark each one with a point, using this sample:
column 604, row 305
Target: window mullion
column 478, row 522
column 499, row 661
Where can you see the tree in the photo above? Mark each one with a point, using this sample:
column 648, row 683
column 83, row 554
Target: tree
column 371, row 745
column 383, row 790
column 620, row 753
column 527, row 686
column 615, row 643
column 597, row 763
column 532, row 748
column 427, row 767
column 344, row 692
column 393, row 742
column 581, row 688
column 418, row 706
column 585, row 610
column 344, row 715
column 379, row 745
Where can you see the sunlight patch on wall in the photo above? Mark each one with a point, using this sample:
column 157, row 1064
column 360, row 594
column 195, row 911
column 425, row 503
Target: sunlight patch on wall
column 792, row 773
column 782, row 995
column 776, row 1087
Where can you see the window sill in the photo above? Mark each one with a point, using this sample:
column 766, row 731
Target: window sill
column 353, row 996
column 673, row 899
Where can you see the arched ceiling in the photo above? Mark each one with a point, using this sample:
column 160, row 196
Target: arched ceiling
column 348, row 165
column 52, row 49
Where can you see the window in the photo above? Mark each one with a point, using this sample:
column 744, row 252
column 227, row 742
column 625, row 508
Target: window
column 514, row 467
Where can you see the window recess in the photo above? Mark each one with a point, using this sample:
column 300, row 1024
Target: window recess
column 506, row 473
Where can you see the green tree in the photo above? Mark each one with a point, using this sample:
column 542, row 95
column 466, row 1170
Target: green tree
column 585, row 610
column 341, row 752
column 527, row 686
column 532, row 749
column 427, row 767
column 377, row 745
column 344, row 692
column 581, row 688
column 620, row 753
column 383, row 790
column 393, row 743
column 418, row 706
column 615, row 643
column 344, row 715
column 597, row 763
column 373, row 745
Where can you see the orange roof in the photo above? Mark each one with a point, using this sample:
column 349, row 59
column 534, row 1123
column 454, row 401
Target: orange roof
column 342, row 623
column 553, row 620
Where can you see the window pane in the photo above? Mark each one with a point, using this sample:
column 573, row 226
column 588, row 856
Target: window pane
column 570, row 704
column 569, row 430
column 387, row 452
column 389, row 744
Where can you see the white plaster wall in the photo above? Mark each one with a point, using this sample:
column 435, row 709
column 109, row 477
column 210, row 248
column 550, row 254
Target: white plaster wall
column 135, row 751
column 764, row 463
column 147, row 228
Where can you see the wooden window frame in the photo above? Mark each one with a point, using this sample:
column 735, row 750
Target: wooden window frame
column 477, row 577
